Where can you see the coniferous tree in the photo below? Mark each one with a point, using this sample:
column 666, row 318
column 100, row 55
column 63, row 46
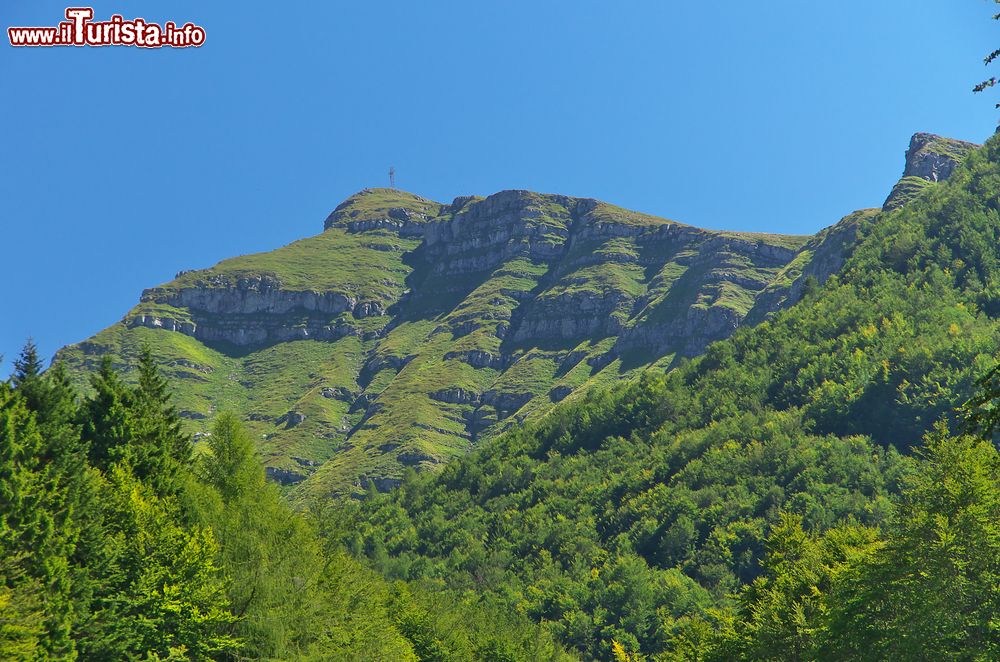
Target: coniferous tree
column 988, row 60
column 28, row 365
column 982, row 410
column 21, row 613
column 110, row 548
column 105, row 416
column 53, row 400
column 70, row 501
column 158, row 448
column 232, row 466
column 36, row 523
column 137, row 425
column 161, row 591
column 272, row 556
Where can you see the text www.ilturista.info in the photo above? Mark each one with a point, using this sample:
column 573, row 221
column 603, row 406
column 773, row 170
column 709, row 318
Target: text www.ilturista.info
column 81, row 30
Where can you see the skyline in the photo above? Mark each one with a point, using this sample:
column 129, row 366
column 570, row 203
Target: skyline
column 776, row 120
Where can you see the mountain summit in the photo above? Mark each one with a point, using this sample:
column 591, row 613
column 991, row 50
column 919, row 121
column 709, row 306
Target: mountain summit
column 408, row 330
column 929, row 159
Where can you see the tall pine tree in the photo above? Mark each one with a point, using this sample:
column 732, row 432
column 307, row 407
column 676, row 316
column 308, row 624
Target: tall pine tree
column 36, row 519
column 105, row 417
column 159, row 447
column 137, row 425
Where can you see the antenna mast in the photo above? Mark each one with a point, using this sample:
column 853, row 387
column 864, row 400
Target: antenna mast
column 392, row 177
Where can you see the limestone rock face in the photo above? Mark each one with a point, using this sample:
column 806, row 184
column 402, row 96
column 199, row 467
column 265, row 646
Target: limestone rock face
column 409, row 330
column 283, row 476
column 929, row 159
column 934, row 158
column 257, row 310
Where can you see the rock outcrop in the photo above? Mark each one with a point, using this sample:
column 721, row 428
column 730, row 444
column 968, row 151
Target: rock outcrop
column 410, row 329
column 929, row 159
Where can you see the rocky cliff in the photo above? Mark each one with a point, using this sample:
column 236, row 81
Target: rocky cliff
column 410, row 329
column 929, row 159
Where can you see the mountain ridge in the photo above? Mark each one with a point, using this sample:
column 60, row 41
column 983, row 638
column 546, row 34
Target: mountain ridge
column 672, row 515
column 409, row 329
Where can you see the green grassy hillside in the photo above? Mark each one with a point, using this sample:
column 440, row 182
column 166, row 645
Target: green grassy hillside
column 409, row 330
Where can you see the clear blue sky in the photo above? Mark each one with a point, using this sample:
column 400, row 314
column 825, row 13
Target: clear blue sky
column 120, row 166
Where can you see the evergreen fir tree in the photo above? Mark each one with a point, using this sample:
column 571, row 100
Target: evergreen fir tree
column 21, row 614
column 28, row 365
column 105, row 416
column 36, row 522
column 159, row 447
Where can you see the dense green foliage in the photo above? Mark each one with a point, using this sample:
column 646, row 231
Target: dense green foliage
column 118, row 542
column 747, row 504
column 795, row 493
column 923, row 588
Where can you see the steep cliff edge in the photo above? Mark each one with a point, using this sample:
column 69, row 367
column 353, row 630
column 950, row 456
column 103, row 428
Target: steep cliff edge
column 410, row 329
column 929, row 159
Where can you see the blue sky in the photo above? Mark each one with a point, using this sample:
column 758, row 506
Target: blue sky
column 121, row 166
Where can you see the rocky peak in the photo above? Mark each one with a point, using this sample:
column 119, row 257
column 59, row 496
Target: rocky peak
column 934, row 158
column 929, row 159
column 461, row 201
column 372, row 206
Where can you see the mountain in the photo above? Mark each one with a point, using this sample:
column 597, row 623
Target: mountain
column 756, row 501
column 759, row 502
column 409, row 330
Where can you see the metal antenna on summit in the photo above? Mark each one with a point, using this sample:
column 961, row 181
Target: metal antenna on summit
column 392, row 177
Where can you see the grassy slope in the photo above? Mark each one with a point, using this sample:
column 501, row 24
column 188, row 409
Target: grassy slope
column 640, row 276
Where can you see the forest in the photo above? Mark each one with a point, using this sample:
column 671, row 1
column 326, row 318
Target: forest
column 119, row 542
column 825, row 485
column 512, row 426
column 821, row 486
